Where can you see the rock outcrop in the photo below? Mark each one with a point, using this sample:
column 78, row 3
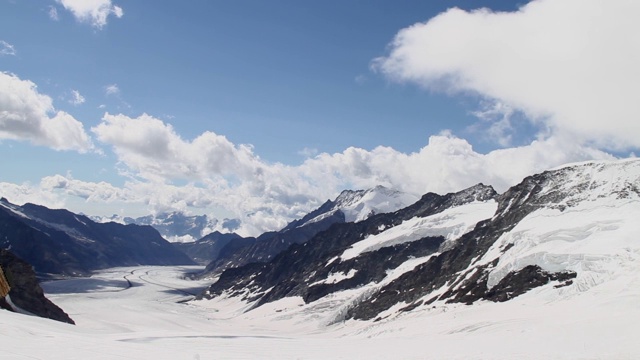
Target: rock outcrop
column 21, row 291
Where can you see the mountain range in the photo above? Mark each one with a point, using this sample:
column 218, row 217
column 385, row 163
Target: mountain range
column 59, row 242
column 377, row 254
column 177, row 227
column 565, row 230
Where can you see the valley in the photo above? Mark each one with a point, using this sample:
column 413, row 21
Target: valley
column 549, row 269
column 150, row 319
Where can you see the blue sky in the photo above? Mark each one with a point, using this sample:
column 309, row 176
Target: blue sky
column 288, row 102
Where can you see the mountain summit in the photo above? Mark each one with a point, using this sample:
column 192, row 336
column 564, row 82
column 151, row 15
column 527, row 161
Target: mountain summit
column 349, row 206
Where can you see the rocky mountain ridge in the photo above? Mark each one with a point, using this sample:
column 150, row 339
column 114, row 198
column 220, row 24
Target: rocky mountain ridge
column 349, row 206
column 300, row 270
column 554, row 230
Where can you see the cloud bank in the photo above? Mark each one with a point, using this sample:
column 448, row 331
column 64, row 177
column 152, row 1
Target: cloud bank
column 265, row 196
column 571, row 66
column 27, row 115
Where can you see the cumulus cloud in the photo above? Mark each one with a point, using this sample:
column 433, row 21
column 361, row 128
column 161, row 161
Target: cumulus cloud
column 25, row 114
column 94, row 12
column 7, row 49
column 89, row 191
column 154, row 150
column 275, row 194
column 448, row 163
column 27, row 193
column 570, row 65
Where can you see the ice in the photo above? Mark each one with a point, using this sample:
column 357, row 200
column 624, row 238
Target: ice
column 149, row 321
column 451, row 223
column 593, row 239
column 337, row 277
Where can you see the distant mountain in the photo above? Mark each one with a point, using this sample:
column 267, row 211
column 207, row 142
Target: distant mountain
column 64, row 243
column 209, row 247
column 177, row 227
column 349, row 206
column 566, row 230
column 20, row 291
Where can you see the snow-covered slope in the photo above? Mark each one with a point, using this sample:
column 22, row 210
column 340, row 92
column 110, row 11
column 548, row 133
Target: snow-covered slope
column 567, row 230
column 372, row 248
column 451, row 223
column 349, row 206
column 590, row 226
column 572, row 228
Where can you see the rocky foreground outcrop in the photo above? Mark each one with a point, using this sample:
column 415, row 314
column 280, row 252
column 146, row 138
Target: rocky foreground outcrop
column 20, row 291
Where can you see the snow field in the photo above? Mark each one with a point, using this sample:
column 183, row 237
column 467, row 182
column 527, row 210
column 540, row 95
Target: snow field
column 595, row 239
column 451, row 223
column 146, row 321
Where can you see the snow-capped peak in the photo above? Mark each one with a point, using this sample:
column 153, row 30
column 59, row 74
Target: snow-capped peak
column 358, row 205
column 361, row 204
column 570, row 185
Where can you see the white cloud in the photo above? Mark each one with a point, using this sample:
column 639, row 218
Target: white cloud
column 98, row 192
column 27, row 193
column 154, row 150
column 7, row 49
column 76, row 98
column 112, row 89
column 266, row 196
column 570, row 65
column 53, row 13
column 94, row 12
column 447, row 163
column 25, row 115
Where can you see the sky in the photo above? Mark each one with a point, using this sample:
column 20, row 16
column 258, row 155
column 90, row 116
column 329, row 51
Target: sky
column 263, row 110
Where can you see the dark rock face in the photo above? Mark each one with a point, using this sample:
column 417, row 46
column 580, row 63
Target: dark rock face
column 300, row 269
column 266, row 246
column 64, row 243
column 26, row 292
